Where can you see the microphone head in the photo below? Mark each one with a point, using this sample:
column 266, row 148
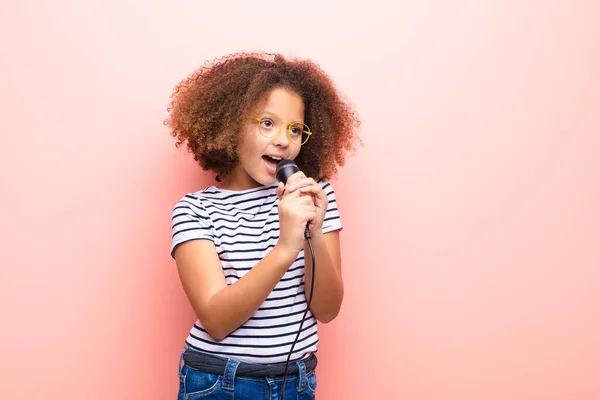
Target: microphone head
column 285, row 169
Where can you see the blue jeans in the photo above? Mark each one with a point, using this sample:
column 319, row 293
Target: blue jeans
column 195, row 384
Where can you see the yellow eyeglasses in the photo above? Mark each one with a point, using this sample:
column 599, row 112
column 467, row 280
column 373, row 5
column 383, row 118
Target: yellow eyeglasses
column 270, row 126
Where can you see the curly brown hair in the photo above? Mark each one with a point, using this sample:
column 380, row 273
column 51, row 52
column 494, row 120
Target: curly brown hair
column 207, row 111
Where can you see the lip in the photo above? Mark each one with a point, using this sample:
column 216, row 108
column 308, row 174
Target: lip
column 272, row 168
column 276, row 155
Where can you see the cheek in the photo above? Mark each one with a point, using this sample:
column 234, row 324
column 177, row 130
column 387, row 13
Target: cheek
column 247, row 148
column 295, row 152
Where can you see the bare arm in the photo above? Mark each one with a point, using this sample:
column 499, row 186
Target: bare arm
column 219, row 307
column 328, row 290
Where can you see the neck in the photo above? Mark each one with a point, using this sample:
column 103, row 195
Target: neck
column 238, row 180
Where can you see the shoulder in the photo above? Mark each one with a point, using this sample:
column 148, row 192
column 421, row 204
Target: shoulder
column 190, row 220
column 196, row 200
column 328, row 188
column 196, row 207
column 190, row 202
column 332, row 220
column 326, row 185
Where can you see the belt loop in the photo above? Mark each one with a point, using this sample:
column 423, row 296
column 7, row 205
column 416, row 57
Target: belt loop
column 180, row 368
column 229, row 375
column 301, row 375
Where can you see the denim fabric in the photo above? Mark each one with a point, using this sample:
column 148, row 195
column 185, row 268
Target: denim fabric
column 195, row 384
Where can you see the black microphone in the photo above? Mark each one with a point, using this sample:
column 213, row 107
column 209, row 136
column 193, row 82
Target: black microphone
column 285, row 169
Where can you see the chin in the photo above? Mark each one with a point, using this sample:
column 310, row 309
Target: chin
column 267, row 181
column 264, row 179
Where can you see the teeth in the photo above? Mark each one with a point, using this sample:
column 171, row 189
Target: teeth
column 276, row 158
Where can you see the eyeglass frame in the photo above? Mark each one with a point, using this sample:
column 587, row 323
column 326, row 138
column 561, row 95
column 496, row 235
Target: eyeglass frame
column 289, row 125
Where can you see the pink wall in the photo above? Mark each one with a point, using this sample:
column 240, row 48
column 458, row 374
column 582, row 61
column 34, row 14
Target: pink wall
column 474, row 272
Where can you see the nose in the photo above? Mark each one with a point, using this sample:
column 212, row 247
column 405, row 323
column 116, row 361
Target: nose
column 282, row 139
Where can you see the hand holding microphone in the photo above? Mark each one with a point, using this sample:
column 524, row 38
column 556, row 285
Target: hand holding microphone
column 296, row 190
column 295, row 210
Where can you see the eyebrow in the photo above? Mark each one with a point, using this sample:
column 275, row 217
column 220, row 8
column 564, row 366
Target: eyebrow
column 276, row 115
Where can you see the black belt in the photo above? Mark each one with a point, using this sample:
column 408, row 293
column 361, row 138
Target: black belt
column 216, row 365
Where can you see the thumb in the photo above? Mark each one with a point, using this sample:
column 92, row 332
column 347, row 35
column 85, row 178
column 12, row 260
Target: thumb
column 279, row 190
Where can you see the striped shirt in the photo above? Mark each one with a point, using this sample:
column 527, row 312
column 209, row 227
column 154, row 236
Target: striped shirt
column 244, row 226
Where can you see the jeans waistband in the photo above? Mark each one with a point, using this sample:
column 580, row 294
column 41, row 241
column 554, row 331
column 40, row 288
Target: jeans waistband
column 213, row 364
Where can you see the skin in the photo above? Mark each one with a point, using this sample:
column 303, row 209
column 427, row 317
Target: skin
column 222, row 309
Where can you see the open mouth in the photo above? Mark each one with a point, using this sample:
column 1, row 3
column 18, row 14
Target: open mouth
column 271, row 159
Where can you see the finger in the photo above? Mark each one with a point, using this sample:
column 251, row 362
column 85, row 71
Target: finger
column 315, row 189
column 303, row 198
column 307, row 214
column 306, row 200
column 299, row 183
column 286, row 194
column 299, row 203
column 310, row 216
column 280, row 190
column 295, row 176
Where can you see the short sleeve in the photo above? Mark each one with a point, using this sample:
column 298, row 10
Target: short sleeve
column 332, row 220
column 190, row 221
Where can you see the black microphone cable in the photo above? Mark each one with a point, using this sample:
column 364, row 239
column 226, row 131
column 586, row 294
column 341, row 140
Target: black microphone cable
column 285, row 169
column 312, row 286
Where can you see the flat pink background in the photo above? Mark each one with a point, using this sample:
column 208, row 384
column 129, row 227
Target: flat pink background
column 472, row 215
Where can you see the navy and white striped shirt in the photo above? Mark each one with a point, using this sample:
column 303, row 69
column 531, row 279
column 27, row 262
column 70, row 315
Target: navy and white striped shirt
column 244, row 226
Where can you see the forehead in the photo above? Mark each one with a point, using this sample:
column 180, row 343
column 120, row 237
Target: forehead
column 284, row 103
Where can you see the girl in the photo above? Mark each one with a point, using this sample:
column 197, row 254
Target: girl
column 240, row 244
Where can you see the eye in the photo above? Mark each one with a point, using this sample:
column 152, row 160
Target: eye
column 297, row 129
column 266, row 123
